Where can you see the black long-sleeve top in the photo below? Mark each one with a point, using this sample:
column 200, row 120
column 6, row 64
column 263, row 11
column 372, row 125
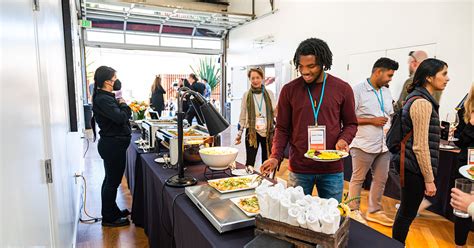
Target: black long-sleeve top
column 465, row 134
column 111, row 116
column 157, row 99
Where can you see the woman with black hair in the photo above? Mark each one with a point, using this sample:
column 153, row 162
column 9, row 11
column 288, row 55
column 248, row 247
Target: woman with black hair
column 419, row 116
column 112, row 115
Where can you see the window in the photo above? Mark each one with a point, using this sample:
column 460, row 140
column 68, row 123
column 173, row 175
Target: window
column 142, row 39
column 207, row 44
column 175, row 42
column 105, row 36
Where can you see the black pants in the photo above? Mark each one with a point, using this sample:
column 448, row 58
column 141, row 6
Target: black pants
column 411, row 197
column 252, row 151
column 461, row 230
column 113, row 152
column 191, row 114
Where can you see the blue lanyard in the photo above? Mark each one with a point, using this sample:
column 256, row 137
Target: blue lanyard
column 261, row 101
column 380, row 100
column 316, row 111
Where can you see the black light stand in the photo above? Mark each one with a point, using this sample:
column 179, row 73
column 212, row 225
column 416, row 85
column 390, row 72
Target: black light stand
column 214, row 122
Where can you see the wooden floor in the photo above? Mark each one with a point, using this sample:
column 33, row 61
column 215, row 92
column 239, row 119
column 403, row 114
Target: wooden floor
column 428, row 230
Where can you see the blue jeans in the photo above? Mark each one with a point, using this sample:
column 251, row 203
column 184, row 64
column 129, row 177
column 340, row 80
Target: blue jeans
column 328, row 185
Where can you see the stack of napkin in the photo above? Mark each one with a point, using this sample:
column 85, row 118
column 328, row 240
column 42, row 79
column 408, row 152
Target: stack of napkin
column 292, row 206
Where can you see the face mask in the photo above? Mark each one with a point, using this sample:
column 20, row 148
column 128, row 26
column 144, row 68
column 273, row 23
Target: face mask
column 117, row 85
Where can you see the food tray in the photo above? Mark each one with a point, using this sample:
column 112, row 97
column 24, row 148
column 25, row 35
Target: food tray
column 253, row 186
column 236, row 202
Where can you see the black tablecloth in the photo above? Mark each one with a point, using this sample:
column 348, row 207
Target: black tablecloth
column 133, row 173
column 190, row 228
column 444, row 180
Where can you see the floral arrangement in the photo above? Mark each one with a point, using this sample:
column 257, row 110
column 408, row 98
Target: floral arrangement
column 138, row 108
column 343, row 207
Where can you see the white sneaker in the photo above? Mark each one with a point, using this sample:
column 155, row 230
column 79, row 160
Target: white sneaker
column 357, row 215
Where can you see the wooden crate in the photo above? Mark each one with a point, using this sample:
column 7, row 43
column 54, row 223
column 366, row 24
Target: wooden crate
column 303, row 237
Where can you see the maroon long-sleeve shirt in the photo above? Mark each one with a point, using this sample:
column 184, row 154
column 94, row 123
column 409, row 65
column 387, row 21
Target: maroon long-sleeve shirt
column 295, row 114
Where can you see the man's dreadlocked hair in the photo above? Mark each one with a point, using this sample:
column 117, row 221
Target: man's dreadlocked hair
column 316, row 47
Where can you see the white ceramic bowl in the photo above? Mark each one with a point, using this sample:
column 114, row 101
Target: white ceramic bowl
column 219, row 157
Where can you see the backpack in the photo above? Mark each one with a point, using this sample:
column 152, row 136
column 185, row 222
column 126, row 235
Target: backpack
column 396, row 143
column 394, row 134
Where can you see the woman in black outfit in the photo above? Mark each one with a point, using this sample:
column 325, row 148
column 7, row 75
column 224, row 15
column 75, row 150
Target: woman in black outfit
column 112, row 115
column 157, row 99
column 183, row 82
column 465, row 135
column 420, row 115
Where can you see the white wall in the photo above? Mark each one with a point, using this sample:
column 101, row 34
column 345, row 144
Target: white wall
column 137, row 69
column 352, row 27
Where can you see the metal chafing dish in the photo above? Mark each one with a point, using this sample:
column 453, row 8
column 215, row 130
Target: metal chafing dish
column 218, row 208
column 192, row 143
column 150, row 127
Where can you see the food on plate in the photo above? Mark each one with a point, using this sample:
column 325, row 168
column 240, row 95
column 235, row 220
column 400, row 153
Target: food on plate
column 325, row 155
column 471, row 171
column 250, row 204
column 218, row 151
column 232, row 183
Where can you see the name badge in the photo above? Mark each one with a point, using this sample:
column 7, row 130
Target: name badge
column 260, row 123
column 470, row 156
column 317, row 138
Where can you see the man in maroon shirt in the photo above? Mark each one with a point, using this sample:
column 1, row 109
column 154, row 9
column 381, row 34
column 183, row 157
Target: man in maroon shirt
column 314, row 98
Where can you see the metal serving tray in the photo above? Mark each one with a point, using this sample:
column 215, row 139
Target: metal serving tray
column 223, row 214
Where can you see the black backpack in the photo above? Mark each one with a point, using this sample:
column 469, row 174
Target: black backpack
column 394, row 134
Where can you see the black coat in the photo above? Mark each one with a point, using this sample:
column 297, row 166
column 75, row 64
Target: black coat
column 411, row 163
column 465, row 134
column 111, row 116
column 158, row 100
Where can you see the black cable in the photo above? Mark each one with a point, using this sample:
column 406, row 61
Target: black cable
column 172, row 223
column 162, row 210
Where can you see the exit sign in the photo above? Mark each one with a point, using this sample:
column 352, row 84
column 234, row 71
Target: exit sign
column 86, row 23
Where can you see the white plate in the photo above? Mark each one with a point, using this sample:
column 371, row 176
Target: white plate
column 160, row 160
column 138, row 141
column 236, row 201
column 447, row 147
column 253, row 186
column 463, row 171
column 345, row 154
column 240, row 172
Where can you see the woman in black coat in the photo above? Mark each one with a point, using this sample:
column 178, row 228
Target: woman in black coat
column 157, row 99
column 112, row 115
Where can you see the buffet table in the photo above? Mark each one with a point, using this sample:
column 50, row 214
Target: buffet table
column 134, row 176
column 170, row 217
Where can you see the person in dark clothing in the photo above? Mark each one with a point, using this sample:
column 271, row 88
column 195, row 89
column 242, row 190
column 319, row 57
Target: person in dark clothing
column 199, row 88
column 112, row 115
column 183, row 82
column 157, row 99
column 420, row 115
column 465, row 135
